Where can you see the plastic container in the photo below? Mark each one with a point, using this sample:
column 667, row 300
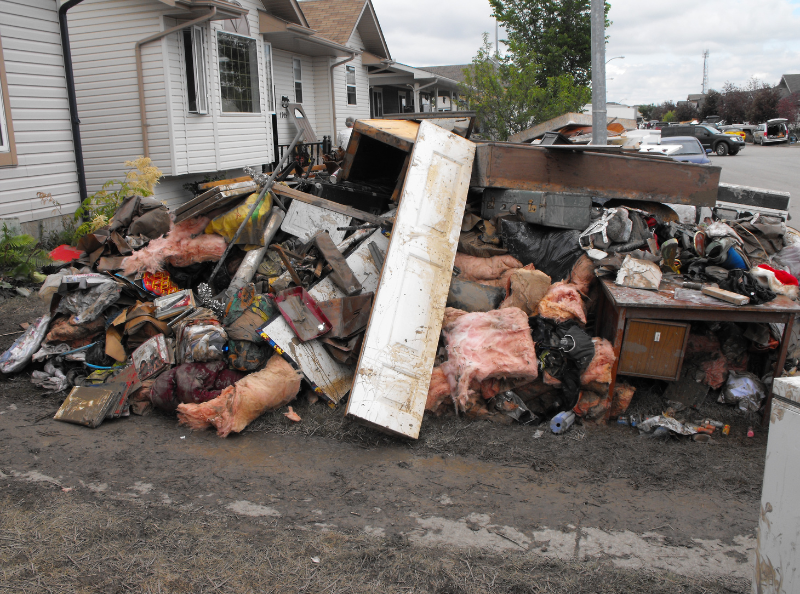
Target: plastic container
column 562, row 421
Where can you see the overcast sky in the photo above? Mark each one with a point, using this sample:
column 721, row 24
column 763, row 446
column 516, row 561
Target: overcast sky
column 662, row 41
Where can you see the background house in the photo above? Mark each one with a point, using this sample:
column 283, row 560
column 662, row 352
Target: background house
column 36, row 150
column 790, row 83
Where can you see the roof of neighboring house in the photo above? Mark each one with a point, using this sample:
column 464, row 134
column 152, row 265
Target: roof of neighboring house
column 695, row 96
column 453, row 71
column 337, row 19
column 287, row 10
column 792, row 82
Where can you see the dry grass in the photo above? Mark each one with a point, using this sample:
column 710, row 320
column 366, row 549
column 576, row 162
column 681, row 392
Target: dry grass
column 52, row 542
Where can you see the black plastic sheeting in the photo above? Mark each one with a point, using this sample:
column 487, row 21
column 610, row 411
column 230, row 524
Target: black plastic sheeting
column 553, row 251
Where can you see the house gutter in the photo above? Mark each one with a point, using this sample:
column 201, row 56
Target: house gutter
column 333, row 91
column 139, row 74
column 73, row 101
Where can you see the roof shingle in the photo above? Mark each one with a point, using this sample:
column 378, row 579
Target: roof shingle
column 333, row 19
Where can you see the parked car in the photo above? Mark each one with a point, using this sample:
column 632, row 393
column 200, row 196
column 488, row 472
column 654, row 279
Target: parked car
column 680, row 148
column 709, row 137
column 772, row 132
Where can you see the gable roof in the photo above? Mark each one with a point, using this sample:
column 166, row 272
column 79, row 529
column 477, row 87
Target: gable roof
column 338, row 19
column 792, row 82
column 453, row 71
column 287, row 10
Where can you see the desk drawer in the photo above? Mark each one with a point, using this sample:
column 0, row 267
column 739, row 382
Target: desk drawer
column 653, row 349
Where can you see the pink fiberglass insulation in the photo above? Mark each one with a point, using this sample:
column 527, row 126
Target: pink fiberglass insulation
column 185, row 244
column 438, row 393
column 239, row 405
column 484, row 269
column 599, row 369
column 485, row 345
column 562, row 302
column 582, row 274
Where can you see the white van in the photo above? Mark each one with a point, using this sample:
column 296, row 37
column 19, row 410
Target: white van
column 773, row 132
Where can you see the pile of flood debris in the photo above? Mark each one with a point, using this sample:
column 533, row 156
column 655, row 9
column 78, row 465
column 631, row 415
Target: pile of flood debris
column 416, row 271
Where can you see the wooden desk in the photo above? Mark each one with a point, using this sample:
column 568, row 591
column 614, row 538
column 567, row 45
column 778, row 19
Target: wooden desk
column 621, row 303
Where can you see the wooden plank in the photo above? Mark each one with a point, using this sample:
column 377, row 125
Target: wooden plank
column 528, row 167
column 223, row 182
column 394, row 370
column 282, row 190
column 399, row 133
column 198, row 204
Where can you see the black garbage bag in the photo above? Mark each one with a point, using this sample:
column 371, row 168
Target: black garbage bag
column 741, row 282
column 553, row 251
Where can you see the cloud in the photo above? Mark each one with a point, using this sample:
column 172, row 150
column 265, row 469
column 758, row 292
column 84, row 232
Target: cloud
column 662, row 41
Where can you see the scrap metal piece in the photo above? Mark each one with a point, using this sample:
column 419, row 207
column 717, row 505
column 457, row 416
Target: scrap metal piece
column 394, row 372
column 302, row 313
column 534, row 168
column 306, row 220
column 342, row 274
column 552, row 209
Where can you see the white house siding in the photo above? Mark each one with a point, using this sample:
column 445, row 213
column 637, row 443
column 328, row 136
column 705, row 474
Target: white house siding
column 103, row 34
column 360, row 111
column 284, row 85
column 39, row 111
column 322, row 91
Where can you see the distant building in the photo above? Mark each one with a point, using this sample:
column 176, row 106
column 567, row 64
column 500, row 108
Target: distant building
column 696, row 100
column 617, row 110
column 790, row 83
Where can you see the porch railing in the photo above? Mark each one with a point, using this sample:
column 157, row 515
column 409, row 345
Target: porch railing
column 307, row 153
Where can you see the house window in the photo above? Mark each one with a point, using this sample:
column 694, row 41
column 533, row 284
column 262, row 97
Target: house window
column 350, row 79
column 8, row 154
column 269, row 78
column 238, row 73
column 297, row 67
column 194, row 56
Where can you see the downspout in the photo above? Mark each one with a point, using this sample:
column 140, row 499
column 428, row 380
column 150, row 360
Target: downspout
column 73, row 102
column 140, row 76
column 333, row 93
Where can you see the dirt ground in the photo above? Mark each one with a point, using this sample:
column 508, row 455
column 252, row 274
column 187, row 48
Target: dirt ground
column 327, row 505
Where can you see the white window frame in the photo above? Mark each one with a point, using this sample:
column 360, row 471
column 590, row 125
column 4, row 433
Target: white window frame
column 297, row 64
column 5, row 139
column 269, row 71
column 255, row 73
column 199, row 70
column 348, row 70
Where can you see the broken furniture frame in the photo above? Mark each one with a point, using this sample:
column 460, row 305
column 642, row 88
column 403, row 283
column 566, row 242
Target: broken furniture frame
column 619, row 304
column 437, row 115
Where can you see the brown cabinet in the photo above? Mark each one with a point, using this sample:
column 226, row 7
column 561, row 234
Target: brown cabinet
column 653, row 349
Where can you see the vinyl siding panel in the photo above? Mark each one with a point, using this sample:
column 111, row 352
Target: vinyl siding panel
column 322, row 95
column 360, row 111
column 39, row 113
column 284, row 85
column 103, row 34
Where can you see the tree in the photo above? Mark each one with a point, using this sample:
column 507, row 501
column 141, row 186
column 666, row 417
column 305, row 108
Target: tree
column 711, row 105
column 507, row 97
column 735, row 102
column 661, row 110
column 686, row 112
column 647, row 111
column 764, row 105
column 669, row 117
column 557, row 34
column 788, row 108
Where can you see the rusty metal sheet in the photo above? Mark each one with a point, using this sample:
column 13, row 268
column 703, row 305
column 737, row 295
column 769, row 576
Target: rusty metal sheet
column 528, row 167
column 347, row 315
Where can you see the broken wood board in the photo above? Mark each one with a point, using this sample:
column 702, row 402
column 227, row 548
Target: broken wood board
column 306, row 220
column 214, row 198
column 332, row 377
column 394, row 370
column 528, row 167
column 282, row 190
column 377, row 148
column 223, row 182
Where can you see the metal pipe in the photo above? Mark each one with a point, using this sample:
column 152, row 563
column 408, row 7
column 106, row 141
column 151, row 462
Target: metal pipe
column 73, row 101
column 247, row 269
column 333, row 92
column 256, row 204
column 140, row 75
column 599, row 123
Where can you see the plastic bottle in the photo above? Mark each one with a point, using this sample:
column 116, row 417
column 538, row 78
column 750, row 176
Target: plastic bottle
column 562, row 421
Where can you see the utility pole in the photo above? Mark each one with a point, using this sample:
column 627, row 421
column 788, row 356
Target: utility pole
column 599, row 120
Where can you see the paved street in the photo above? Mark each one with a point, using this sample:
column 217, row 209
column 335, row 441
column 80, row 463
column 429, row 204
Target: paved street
column 773, row 167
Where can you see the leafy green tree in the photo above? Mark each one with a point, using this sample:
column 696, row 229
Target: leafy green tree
column 711, row 105
column 556, row 34
column 669, row 117
column 508, row 97
column 647, row 111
